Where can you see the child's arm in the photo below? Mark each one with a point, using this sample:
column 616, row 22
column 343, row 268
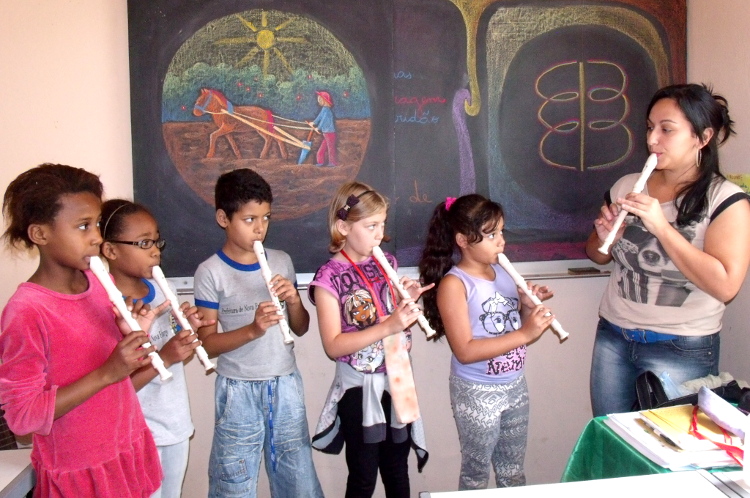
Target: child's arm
column 337, row 344
column 177, row 349
column 127, row 356
column 454, row 311
column 215, row 344
column 299, row 318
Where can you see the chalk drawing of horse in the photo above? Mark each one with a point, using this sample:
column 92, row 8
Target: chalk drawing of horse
column 213, row 102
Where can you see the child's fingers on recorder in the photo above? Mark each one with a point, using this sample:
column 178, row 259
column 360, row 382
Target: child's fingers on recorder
column 405, row 313
column 267, row 315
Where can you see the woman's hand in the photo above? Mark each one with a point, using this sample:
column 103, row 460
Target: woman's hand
column 604, row 223
column 647, row 209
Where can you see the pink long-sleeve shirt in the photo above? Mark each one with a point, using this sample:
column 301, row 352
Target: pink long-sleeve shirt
column 100, row 448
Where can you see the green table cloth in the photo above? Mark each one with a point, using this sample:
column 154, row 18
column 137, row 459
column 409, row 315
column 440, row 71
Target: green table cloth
column 601, row 454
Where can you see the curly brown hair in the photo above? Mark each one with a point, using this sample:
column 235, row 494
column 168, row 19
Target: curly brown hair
column 34, row 197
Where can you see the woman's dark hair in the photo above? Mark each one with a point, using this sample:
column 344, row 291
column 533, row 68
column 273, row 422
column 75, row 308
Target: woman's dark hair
column 114, row 212
column 703, row 109
column 34, row 197
column 469, row 215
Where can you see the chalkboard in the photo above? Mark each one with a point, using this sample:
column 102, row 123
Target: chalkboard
column 539, row 105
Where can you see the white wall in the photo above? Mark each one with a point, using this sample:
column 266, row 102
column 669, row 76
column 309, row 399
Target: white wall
column 65, row 93
column 718, row 41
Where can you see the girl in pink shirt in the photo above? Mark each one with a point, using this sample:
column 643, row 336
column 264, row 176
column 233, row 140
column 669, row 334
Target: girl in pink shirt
column 66, row 357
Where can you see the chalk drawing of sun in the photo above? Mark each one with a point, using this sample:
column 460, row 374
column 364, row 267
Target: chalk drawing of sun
column 264, row 40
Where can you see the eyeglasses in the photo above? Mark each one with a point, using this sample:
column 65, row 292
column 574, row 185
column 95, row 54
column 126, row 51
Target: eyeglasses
column 143, row 244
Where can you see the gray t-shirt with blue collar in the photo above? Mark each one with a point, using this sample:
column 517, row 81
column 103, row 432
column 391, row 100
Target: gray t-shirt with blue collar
column 235, row 290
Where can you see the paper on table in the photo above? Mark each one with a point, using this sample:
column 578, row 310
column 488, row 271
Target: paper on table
column 627, row 426
column 675, row 422
column 722, row 412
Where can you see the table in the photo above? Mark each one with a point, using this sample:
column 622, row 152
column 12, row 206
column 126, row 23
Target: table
column 682, row 484
column 16, row 473
column 600, row 453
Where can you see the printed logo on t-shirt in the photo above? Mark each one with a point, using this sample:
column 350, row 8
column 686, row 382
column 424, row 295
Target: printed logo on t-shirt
column 359, row 311
column 500, row 314
column 511, row 361
column 648, row 274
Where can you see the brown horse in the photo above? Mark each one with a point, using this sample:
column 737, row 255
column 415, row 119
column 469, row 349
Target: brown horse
column 214, row 102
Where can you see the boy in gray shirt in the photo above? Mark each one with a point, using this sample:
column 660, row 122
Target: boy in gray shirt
column 259, row 395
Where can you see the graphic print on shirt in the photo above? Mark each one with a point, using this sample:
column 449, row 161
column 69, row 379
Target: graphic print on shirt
column 647, row 274
column 501, row 315
column 360, row 311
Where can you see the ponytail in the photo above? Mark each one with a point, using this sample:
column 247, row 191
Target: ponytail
column 467, row 215
column 436, row 260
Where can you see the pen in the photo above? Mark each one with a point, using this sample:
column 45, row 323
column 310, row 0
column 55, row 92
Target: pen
column 650, row 425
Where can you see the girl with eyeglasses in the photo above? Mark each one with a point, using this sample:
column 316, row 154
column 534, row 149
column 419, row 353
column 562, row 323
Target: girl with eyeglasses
column 132, row 246
column 488, row 324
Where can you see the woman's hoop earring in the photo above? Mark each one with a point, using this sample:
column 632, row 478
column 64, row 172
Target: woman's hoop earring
column 698, row 158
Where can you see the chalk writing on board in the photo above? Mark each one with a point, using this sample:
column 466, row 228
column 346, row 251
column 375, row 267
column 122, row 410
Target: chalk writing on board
column 417, row 197
column 414, row 119
column 402, row 75
column 420, row 102
column 592, row 87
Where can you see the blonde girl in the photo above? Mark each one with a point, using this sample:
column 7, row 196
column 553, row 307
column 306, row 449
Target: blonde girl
column 358, row 409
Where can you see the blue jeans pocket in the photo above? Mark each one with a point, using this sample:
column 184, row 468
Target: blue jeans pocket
column 696, row 346
column 232, row 479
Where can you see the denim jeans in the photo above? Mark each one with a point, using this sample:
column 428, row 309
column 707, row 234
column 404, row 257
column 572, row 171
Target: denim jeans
column 618, row 361
column 267, row 418
column 174, row 460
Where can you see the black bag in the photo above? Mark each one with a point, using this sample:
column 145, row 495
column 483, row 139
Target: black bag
column 650, row 393
column 744, row 402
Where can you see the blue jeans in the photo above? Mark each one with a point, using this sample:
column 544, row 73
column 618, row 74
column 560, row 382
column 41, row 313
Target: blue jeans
column 174, row 460
column 267, row 418
column 617, row 361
